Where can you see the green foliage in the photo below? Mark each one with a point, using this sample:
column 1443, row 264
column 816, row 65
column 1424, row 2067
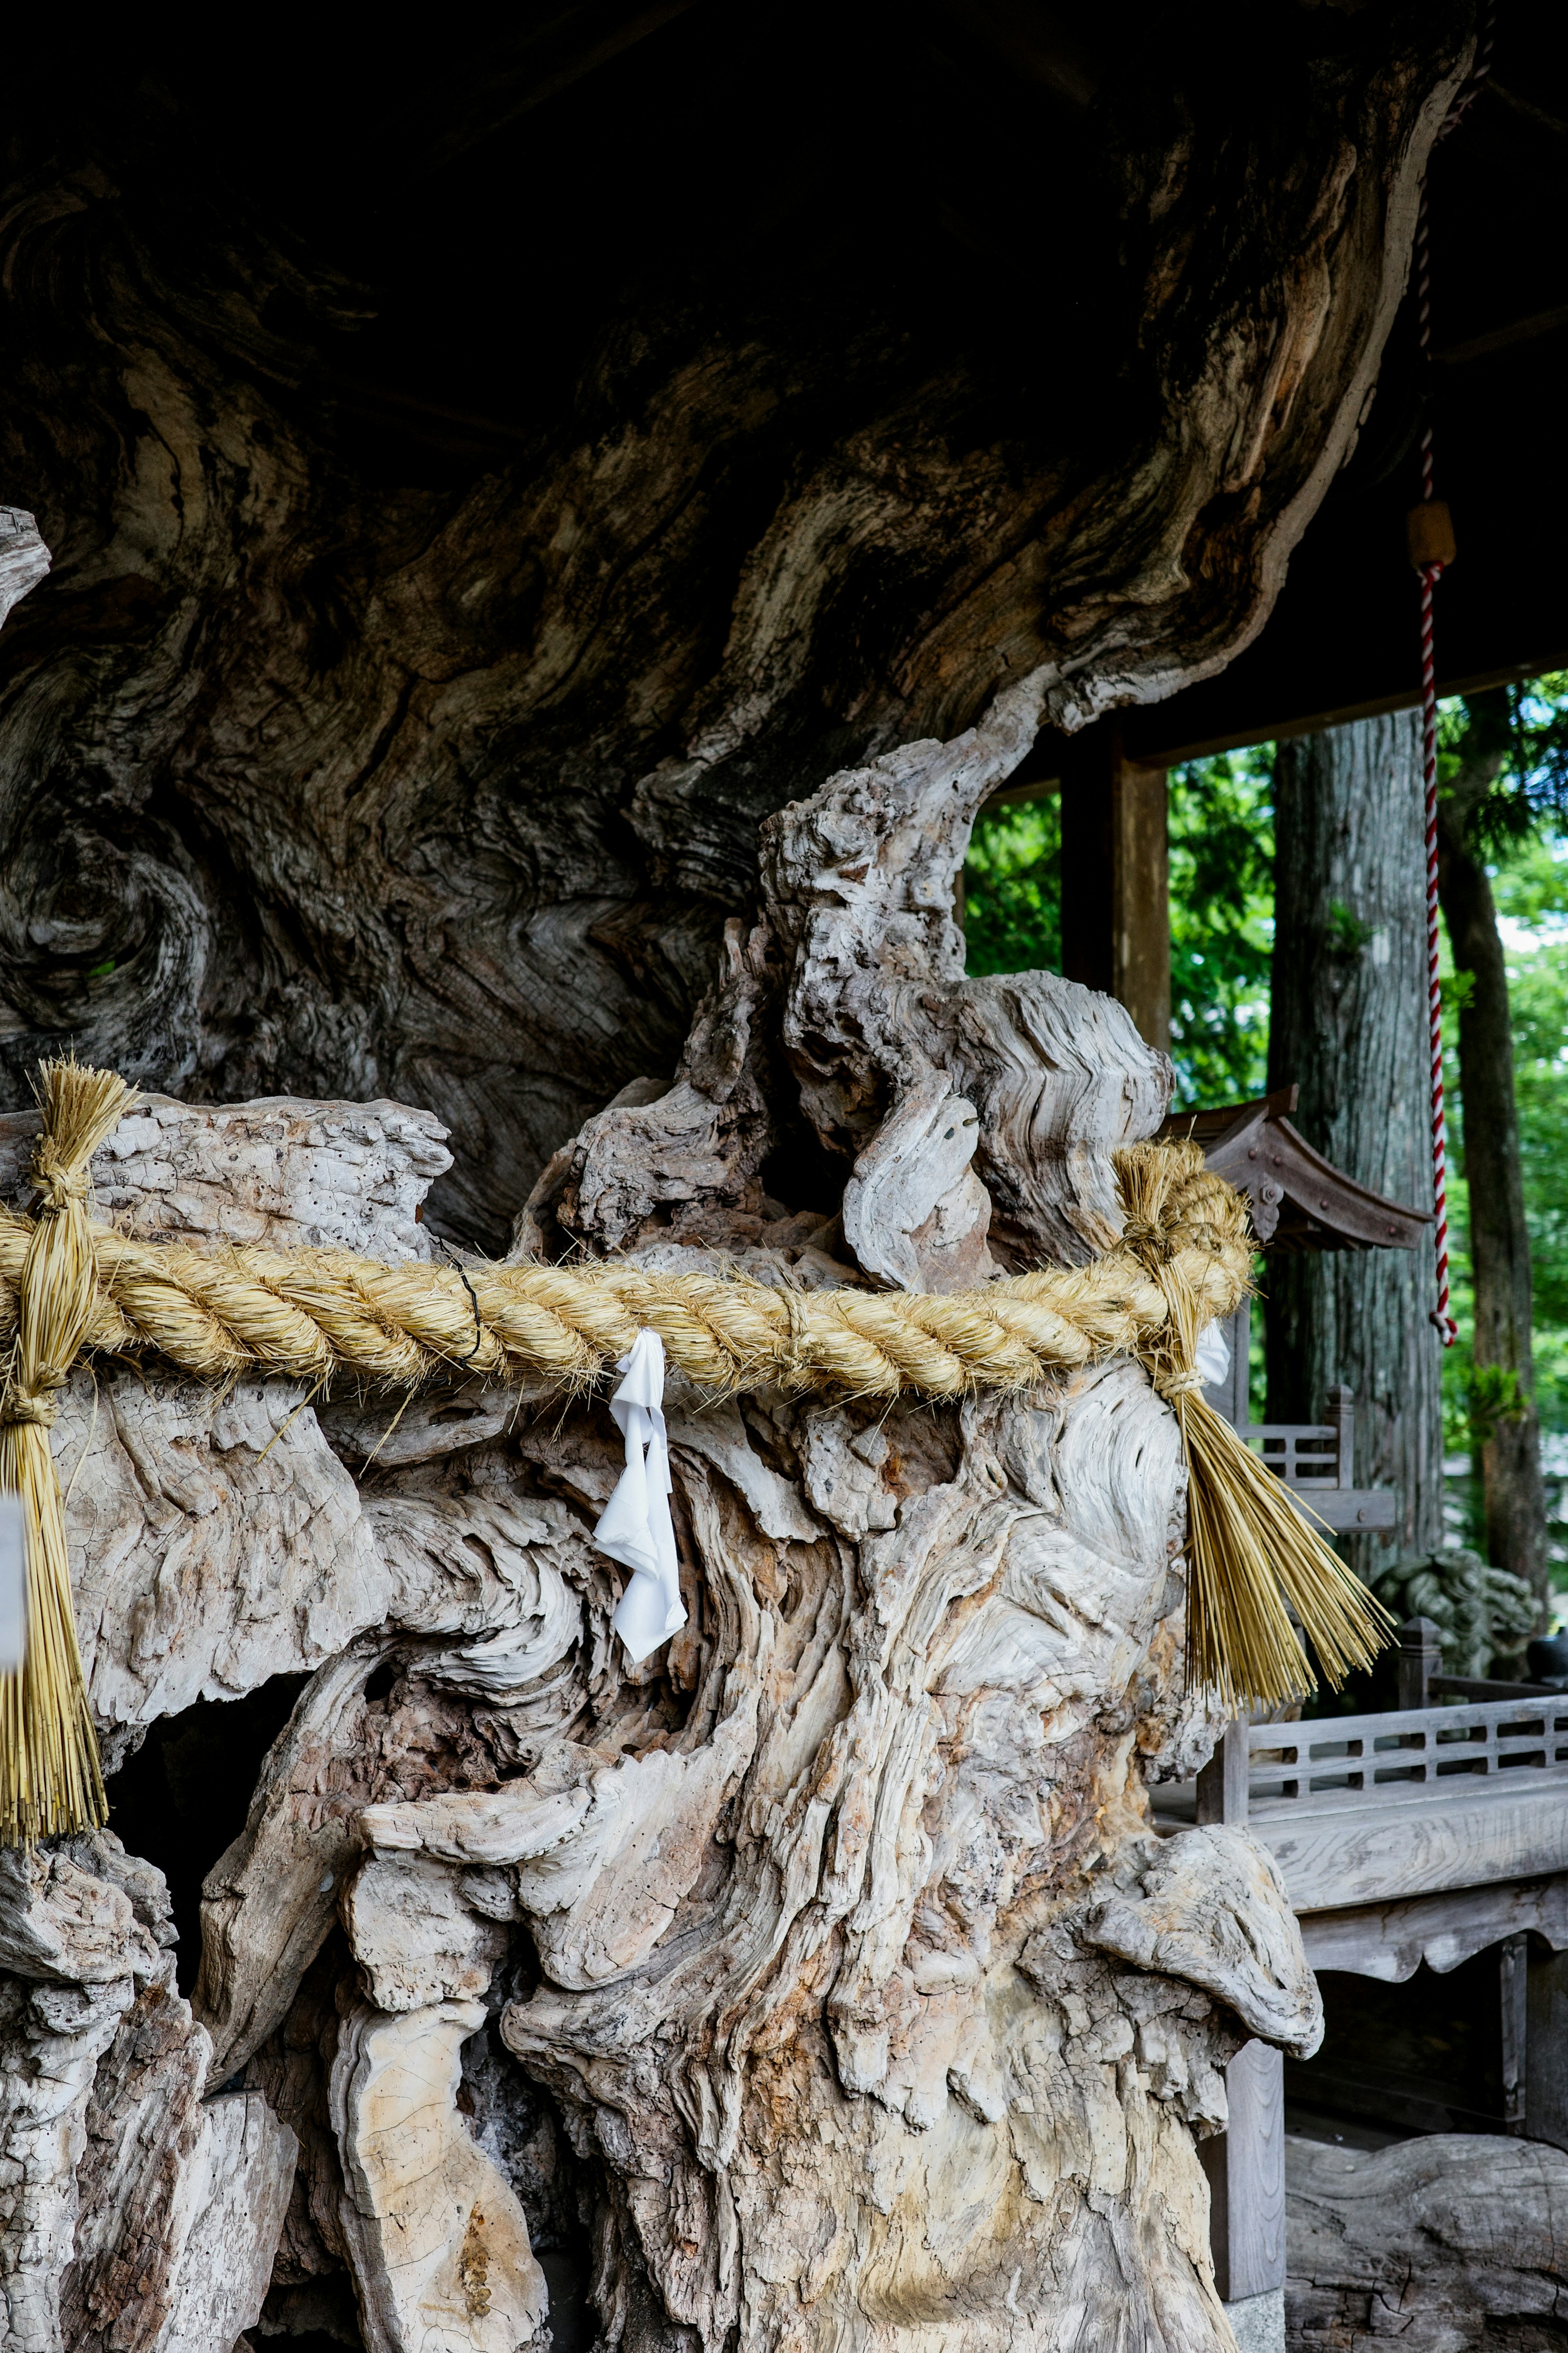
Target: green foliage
column 1222, row 913
column 1522, row 825
column 1013, row 889
column 1222, row 924
column 1494, row 1396
column 1524, row 729
column 1481, row 1613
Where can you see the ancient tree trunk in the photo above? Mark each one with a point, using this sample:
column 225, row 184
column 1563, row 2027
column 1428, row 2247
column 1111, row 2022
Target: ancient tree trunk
column 1499, row 1237
column 440, row 600
column 1349, row 1026
column 827, row 1964
column 413, row 712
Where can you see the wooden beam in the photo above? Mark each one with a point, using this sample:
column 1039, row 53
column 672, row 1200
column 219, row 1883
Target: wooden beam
column 1115, row 880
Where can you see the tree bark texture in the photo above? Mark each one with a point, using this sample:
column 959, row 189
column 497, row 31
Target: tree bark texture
column 358, row 743
column 1499, row 1236
column 594, row 772
column 826, row 1964
column 1349, row 1026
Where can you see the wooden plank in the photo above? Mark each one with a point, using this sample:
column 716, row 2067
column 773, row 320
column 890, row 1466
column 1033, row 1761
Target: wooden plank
column 1245, row 2170
column 1420, row 1658
column 1391, row 1940
column 1371, row 1854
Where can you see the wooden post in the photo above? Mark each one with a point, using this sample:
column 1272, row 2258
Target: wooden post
column 1233, row 1396
column 1341, row 1420
column 1245, row 2170
column 1546, row 2045
column 1222, row 1783
column 1513, row 1988
column 1419, row 1658
column 1116, row 905
column 1245, row 2163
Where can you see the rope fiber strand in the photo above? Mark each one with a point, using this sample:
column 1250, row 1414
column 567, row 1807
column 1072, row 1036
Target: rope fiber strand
column 69, row 1285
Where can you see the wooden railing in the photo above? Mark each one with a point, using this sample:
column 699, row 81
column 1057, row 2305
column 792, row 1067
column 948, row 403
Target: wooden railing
column 1407, row 1755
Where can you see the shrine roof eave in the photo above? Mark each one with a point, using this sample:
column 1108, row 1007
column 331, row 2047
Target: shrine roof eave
column 1297, row 1199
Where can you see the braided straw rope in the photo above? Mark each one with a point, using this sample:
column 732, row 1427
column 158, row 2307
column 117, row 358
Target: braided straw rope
column 68, row 1285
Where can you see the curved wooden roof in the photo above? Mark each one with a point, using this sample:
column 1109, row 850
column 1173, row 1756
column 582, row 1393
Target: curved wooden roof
column 1298, row 1200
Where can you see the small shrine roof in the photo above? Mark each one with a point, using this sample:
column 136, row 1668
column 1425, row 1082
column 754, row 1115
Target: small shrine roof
column 1297, row 1199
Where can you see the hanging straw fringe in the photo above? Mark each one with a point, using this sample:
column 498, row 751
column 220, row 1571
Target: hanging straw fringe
column 68, row 1285
column 49, row 1774
column 1252, row 1558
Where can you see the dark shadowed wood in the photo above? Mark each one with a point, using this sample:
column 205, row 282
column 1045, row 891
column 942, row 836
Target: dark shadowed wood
column 439, row 602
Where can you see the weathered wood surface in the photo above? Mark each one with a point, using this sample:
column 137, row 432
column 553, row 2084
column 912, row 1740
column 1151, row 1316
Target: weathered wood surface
column 1352, row 1855
column 828, row 1963
column 1392, row 1940
column 837, row 1934
column 395, row 723
column 1245, row 2170
column 1451, row 2243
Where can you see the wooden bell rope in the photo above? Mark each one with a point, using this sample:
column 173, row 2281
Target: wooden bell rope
column 69, row 1286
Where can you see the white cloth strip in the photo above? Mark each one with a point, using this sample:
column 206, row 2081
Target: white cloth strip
column 1211, row 1357
column 635, row 1526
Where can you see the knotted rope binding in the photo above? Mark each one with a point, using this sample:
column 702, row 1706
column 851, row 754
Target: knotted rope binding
column 69, row 1285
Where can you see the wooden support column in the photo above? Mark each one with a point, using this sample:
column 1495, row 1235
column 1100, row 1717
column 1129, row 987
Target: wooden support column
column 1546, row 2045
column 1419, row 1658
column 1116, row 909
column 1245, row 2163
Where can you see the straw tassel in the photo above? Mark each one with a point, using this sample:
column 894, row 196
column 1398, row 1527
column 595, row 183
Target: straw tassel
column 50, row 1779
column 1252, row 1557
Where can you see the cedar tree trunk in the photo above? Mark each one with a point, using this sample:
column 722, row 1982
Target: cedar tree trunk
column 1349, row 1027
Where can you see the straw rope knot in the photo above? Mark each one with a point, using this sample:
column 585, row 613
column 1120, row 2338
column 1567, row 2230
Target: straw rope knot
column 58, row 1184
column 15, row 1408
column 1183, row 1259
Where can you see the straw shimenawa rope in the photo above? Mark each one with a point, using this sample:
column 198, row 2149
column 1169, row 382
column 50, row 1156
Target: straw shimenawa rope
column 68, row 1285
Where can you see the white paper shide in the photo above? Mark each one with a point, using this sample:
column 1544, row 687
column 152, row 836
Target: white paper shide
column 635, row 1527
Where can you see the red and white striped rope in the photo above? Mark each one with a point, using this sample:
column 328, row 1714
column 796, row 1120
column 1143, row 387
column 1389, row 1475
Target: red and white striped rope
column 1430, row 574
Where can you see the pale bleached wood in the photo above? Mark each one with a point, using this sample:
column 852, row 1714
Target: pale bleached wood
column 846, row 1906
column 1392, row 1940
column 23, row 558
column 1334, row 1859
column 73, row 1952
column 1209, row 1906
column 439, row 2243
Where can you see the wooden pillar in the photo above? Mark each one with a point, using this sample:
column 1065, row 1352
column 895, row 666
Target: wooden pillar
column 1222, row 1783
column 1245, row 2163
column 1419, row 1658
column 1246, row 2168
column 1546, row 2045
column 1116, row 910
